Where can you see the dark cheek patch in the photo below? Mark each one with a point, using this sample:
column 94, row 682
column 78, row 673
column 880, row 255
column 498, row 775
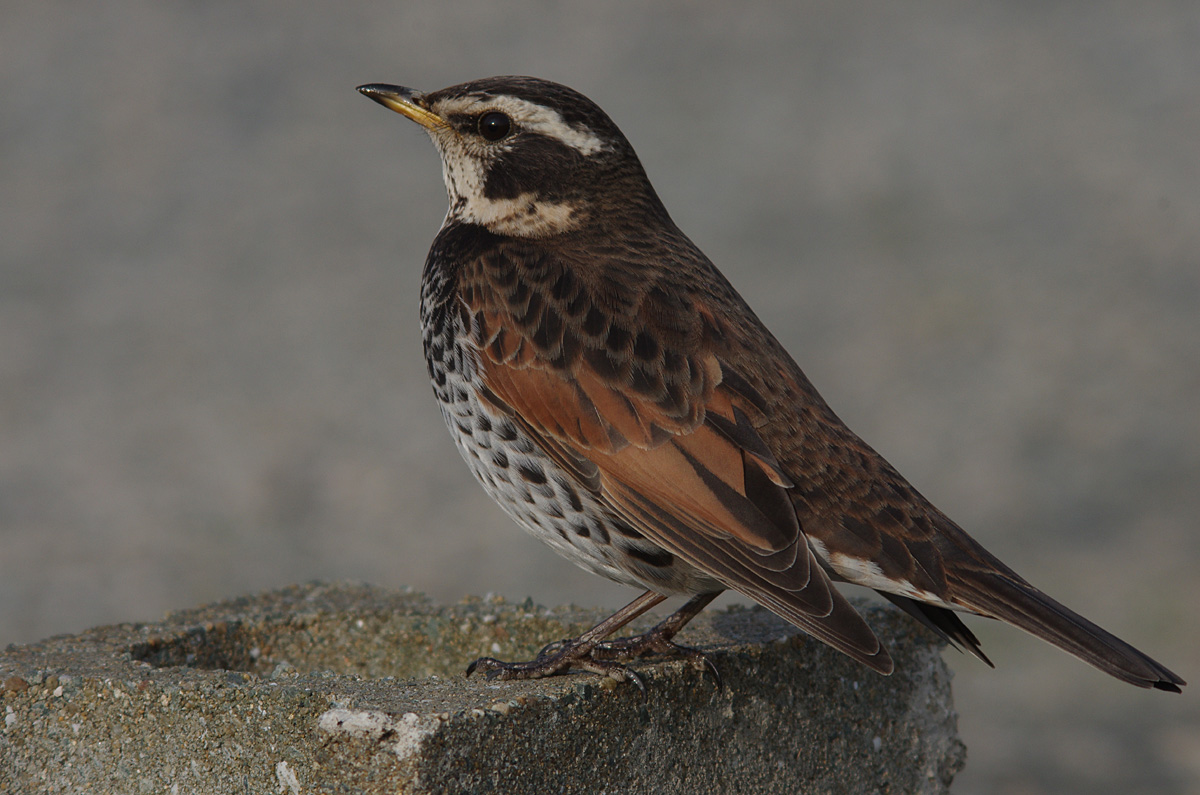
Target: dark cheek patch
column 536, row 165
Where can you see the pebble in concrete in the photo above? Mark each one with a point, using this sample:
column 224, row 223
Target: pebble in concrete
column 351, row 688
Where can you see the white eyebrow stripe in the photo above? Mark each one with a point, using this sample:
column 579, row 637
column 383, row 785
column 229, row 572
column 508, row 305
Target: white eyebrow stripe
column 533, row 117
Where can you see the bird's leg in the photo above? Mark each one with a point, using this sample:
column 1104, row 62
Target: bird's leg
column 658, row 639
column 589, row 651
column 574, row 652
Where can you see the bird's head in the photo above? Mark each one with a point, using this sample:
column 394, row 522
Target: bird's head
column 524, row 157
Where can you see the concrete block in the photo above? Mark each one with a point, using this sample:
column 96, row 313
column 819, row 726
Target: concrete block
column 348, row 688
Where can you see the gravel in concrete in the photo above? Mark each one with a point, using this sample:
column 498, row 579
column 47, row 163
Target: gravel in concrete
column 352, row 688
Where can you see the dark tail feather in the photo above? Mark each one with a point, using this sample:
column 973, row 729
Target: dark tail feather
column 945, row 623
column 1020, row 604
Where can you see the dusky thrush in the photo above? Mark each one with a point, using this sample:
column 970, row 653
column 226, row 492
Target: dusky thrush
column 619, row 400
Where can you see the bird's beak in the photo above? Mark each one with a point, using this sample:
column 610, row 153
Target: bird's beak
column 403, row 101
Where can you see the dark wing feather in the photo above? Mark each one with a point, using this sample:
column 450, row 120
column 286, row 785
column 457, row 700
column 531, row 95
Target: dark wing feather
column 943, row 622
column 626, row 392
column 657, row 388
column 863, row 512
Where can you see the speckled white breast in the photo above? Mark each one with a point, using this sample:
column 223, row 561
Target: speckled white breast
column 531, row 488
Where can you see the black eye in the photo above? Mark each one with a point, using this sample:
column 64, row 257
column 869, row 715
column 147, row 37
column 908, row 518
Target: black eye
column 494, row 126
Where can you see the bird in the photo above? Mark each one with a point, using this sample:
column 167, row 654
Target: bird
column 618, row 398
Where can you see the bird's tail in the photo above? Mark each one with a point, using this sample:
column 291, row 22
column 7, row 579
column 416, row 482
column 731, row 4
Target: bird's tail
column 1000, row 593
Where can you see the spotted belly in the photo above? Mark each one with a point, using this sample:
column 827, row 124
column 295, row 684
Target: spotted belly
column 541, row 496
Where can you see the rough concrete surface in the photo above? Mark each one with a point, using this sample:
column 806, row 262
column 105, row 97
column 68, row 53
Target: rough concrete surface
column 351, row 688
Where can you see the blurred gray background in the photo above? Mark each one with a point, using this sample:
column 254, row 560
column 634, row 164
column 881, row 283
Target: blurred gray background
column 977, row 227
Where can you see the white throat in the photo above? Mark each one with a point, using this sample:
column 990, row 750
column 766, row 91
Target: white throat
column 523, row 216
